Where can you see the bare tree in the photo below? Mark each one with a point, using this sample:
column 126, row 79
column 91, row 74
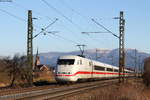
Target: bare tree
column 15, row 68
column 1, row 65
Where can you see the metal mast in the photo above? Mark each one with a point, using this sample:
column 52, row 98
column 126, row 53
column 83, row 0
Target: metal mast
column 30, row 47
column 121, row 47
column 135, row 61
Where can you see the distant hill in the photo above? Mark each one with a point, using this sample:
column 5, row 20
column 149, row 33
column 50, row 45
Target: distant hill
column 105, row 55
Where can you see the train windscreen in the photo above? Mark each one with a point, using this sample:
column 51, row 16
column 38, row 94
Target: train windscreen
column 65, row 61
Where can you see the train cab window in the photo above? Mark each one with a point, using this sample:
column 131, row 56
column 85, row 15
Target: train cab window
column 126, row 71
column 99, row 68
column 109, row 69
column 65, row 61
column 116, row 70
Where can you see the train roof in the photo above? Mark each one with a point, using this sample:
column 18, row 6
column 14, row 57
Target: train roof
column 69, row 57
column 94, row 61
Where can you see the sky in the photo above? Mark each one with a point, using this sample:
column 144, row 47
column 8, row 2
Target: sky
column 74, row 17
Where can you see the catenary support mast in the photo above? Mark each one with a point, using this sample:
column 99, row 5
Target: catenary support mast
column 30, row 47
column 121, row 47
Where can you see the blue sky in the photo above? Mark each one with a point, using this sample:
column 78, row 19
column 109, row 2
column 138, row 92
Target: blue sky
column 14, row 30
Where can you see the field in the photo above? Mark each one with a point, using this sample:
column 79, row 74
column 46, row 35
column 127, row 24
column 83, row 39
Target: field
column 130, row 90
column 43, row 78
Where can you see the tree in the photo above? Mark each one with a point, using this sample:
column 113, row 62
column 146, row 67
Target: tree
column 15, row 68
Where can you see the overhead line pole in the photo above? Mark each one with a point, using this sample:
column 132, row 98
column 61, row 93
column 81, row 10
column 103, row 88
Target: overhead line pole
column 96, row 54
column 112, row 59
column 135, row 62
column 121, row 43
column 30, row 45
column 98, row 57
column 139, row 65
column 30, row 48
column 121, row 47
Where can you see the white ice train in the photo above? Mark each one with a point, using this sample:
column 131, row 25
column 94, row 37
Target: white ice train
column 72, row 68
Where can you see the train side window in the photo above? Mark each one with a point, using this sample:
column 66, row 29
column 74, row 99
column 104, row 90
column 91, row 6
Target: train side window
column 99, row 68
column 109, row 69
column 80, row 62
column 90, row 63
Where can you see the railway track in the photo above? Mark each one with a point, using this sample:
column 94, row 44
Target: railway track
column 20, row 90
column 53, row 93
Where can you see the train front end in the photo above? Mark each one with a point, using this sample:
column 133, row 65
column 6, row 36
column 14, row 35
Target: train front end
column 66, row 69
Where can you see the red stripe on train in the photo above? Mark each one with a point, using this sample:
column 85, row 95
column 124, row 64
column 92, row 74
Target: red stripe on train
column 105, row 73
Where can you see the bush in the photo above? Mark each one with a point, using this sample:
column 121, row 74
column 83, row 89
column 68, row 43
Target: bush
column 146, row 79
column 146, row 75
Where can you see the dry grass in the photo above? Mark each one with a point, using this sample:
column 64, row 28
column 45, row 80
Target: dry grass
column 131, row 90
column 4, row 78
column 45, row 76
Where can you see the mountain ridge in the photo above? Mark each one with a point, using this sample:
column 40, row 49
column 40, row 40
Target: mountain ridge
column 109, row 56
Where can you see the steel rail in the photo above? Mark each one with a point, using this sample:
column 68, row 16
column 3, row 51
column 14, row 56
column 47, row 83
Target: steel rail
column 27, row 89
column 70, row 92
column 55, row 92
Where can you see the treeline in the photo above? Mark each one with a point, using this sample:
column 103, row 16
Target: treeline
column 16, row 69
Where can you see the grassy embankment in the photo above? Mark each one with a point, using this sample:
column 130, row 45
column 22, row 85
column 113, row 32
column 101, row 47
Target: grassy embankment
column 130, row 90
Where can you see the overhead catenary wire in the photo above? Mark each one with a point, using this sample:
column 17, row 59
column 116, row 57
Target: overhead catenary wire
column 19, row 18
column 75, row 11
column 105, row 28
column 66, row 39
column 43, row 29
column 86, row 18
column 12, row 15
column 16, row 17
column 64, row 16
column 36, row 12
column 25, row 8
column 38, row 26
column 60, row 13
